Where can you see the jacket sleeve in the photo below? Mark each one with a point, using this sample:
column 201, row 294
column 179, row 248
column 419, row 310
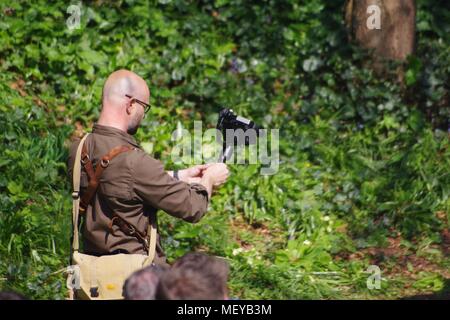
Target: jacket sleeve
column 158, row 189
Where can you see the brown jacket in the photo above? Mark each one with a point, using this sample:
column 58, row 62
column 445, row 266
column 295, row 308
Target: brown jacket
column 134, row 186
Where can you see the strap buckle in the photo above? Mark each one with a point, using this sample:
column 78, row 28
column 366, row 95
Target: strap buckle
column 84, row 159
column 131, row 230
column 104, row 163
column 75, row 195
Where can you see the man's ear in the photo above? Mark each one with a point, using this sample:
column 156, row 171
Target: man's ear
column 129, row 107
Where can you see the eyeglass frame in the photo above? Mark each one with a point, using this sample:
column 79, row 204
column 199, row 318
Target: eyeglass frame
column 142, row 103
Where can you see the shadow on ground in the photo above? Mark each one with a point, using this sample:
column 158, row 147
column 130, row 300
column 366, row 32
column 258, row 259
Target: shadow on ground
column 444, row 294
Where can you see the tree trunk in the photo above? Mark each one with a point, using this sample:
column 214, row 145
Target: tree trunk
column 394, row 37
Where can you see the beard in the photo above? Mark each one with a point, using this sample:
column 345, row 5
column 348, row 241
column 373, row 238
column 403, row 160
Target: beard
column 134, row 124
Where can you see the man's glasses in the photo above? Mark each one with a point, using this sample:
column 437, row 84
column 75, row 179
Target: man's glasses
column 142, row 103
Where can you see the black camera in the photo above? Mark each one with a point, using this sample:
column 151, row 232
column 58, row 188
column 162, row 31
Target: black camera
column 229, row 122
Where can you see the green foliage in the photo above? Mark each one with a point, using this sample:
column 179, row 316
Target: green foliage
column 360, row 162
column 33, row 195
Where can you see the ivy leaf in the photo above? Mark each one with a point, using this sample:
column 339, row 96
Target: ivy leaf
column 413, row 72
column 93, row 57
column 312, row 64
column 14, row 187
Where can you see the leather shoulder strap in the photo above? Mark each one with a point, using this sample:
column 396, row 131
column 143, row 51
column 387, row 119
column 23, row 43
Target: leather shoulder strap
column 95, row 180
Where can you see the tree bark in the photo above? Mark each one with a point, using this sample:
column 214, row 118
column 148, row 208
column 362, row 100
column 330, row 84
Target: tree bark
column 395, row 40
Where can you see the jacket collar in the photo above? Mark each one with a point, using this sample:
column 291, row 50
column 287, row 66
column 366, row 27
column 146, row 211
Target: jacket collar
column 114, row 132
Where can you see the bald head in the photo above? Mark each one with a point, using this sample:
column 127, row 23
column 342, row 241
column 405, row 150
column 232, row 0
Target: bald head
column 122, row 82
column 117, row 110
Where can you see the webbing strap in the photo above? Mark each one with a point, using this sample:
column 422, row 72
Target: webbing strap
column 151, row 232
column 76, row 194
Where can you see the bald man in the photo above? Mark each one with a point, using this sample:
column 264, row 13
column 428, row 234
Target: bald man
column 132, row 185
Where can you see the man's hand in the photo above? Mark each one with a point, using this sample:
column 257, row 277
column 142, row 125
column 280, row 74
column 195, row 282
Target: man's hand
column 218, row 173
column 211, row 175
column 214, row 176
column 193, row 174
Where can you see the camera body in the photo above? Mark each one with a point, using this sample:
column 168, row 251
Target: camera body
column 228, row 120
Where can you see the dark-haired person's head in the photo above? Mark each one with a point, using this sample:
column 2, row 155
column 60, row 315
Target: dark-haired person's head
column 142, row 284
column 195, row 276
column 204, row 264
column 9, row 295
